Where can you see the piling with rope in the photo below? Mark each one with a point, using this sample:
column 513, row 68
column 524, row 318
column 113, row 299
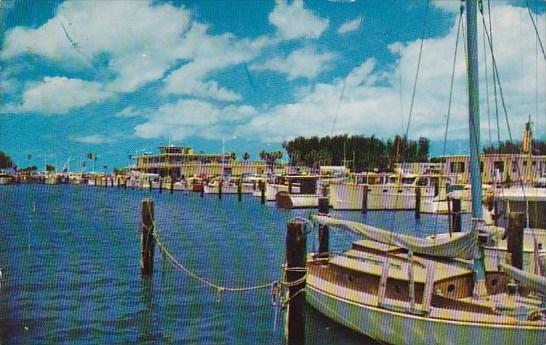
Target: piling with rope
column 365, row 198
column 323, row 231
column 295, row 271
column 147, row 236
column 417, row 202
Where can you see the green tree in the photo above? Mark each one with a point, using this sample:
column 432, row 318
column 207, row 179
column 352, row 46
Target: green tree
column 246, row 156
column 5, row 161
column 50, row 168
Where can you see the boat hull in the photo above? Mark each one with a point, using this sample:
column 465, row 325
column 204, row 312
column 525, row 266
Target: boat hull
column 403, row 329
column 290, row 201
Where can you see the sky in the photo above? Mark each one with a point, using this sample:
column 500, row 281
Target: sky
column 119, row 78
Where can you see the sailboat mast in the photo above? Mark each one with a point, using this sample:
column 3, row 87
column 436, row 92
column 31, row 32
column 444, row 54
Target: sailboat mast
column 474, row 108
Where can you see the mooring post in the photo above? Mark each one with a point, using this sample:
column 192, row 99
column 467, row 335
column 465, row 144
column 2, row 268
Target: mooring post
column 261, row 185
column 150, row 184
column 147, row 238
column 456, row 215
column 220, row 183
column 240, row 190
column 295, row 273
column 365, row 199
column 202, row 191
column 417, row 202
column 323, row 231
column 171, row 187
column 160, row 185
column 516, row 223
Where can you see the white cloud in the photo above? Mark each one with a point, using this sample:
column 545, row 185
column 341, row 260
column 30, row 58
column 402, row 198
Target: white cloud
column 132, row 111
column 59, row 95
column 125, row 51
column 195, row 118
column 351, row 25
column 94, row 139
column 207, row 54
column 294, row 21
column 122, row 37
column 305, row 62
column 368, row 99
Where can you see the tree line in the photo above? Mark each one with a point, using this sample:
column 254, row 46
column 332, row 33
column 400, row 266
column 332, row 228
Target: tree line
column 358, row 152
column 539, row 147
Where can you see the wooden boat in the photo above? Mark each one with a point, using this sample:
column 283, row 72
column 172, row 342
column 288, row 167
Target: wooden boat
column 401, row 289
column 302, row 192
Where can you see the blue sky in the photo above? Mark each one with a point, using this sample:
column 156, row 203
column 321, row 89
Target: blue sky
column 121, row 76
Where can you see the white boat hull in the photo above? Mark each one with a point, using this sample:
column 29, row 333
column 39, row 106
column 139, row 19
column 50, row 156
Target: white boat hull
column 348, row 196
column 398, row 328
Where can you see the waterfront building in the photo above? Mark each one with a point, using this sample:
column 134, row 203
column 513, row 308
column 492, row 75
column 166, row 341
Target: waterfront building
column 178, row 161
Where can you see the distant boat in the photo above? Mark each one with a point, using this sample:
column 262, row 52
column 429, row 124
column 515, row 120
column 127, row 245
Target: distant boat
column 6, row 178
column 302, row 192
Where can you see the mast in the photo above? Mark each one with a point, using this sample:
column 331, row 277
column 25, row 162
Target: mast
column 474, row 129
column 474, row 108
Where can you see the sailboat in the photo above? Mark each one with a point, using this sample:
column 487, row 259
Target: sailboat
column 400, row 289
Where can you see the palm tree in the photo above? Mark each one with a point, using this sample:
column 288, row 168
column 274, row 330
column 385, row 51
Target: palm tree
column 246, row 156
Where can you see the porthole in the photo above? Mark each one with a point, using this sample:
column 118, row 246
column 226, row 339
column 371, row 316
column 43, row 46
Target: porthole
column 450, row 288
column 494, row 282
column 350, row 278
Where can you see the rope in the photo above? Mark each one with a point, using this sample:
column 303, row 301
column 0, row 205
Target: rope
column 418, row 67
column 204, row 281
column 535, row 27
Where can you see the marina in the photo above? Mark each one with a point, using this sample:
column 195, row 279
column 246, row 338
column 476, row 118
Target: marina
column 94, row 256
column 283, row 173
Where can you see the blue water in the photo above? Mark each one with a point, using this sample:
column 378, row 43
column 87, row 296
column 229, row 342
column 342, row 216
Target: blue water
column 70, row 262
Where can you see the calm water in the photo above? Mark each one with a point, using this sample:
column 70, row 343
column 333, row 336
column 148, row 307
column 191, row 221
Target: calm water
column 70, row 262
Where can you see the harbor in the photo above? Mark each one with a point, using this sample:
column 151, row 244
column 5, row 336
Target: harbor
column 94, row 255
column 285, row 173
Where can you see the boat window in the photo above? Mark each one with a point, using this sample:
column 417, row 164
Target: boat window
column 494, row 282
column 408, row 180
column 450, row 288
column 422, row 182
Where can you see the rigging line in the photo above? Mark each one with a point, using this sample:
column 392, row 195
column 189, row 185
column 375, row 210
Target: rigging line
column 336, row 114
column 487, row 88
column 418, row 67
column 494, row 76
column 535, row 27
column 450, row 98
column 496, row 71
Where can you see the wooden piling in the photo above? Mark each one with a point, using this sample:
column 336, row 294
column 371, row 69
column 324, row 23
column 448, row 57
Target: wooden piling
column 365, row 199
column 261, row 185
column 295, row 271
column 202, row 191
column 150, row 184
column 417, row 202
column 171, row 187
column 515, row 232
column 147, row 239
column 220, row 183
column 456, row 215
column 240, row 191
column 323, row 231
column 160, row 185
